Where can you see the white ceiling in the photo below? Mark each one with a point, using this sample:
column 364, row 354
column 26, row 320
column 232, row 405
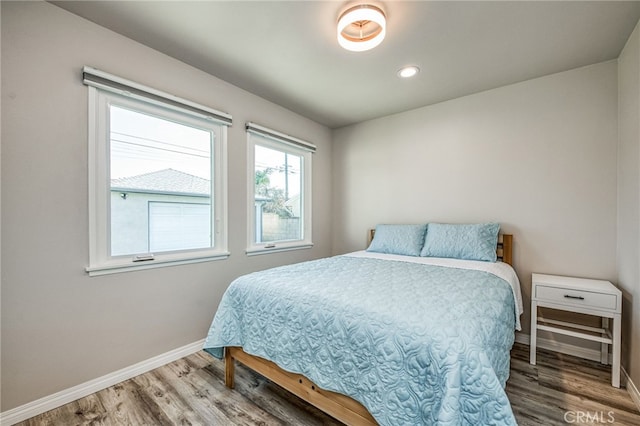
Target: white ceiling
column 286, row 51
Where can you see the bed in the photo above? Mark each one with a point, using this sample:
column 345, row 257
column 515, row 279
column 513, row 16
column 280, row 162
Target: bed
column 382, row 336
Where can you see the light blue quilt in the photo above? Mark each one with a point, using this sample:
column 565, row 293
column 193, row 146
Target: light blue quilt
column 416, row 344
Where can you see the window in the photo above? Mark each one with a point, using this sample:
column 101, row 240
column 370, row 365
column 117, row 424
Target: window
column 157, row 169
column 279, row 191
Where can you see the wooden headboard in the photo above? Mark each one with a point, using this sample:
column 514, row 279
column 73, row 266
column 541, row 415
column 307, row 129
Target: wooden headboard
column 504, row 250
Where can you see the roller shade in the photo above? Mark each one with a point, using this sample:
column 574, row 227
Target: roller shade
column 105, row 81
column 280, row 137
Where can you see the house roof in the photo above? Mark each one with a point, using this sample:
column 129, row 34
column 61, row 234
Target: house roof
column 167, row 181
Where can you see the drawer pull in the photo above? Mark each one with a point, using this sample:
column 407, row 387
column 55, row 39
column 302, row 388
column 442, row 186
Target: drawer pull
column 568, row 296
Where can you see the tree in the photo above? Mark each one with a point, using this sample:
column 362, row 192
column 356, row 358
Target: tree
column 275, row 199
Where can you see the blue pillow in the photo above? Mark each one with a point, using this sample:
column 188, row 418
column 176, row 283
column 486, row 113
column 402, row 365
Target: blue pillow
column 398, row 239
column 469, row 242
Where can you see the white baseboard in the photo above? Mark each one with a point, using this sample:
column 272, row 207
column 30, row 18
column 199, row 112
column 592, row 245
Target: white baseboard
column 564, row 348
column 591, row 354
column 66, row 396
column 631, row 388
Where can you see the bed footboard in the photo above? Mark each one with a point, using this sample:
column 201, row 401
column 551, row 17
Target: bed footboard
column 339, row 406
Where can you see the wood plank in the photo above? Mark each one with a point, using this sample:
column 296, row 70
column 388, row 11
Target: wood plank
column 90, row 411
column 62, row 415
column 271, row 397
column 229, row 369
column 550, row 406
column 231, row 407
column 199, row 399
column 174, row 404
column 126, row 405
column 507, row 248
column 337, row 405
column 539, row 395
column 562, row 385
column 266, row 394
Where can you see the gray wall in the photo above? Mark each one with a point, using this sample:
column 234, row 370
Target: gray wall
column 61, row 328
column 538, row 156
column 629, row 201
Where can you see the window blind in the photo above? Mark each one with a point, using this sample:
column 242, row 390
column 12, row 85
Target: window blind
column 102, row 80
column 281, row 137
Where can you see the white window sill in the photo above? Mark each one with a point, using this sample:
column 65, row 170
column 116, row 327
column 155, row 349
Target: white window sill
column 128, row 266
column 254, row 251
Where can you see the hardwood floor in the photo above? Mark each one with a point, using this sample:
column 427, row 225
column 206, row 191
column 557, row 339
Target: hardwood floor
column 561, row 389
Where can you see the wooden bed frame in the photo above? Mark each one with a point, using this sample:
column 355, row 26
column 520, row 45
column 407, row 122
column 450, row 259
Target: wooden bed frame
column 341, row 407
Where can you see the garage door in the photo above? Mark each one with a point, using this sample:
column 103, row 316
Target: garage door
column 179, row 226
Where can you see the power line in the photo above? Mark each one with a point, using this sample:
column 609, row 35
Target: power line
column 159, row 149
column 158, row 141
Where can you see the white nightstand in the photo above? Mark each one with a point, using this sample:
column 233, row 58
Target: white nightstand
column 592, row 297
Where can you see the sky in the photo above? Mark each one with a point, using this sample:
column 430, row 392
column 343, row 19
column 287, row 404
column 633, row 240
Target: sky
column 142, row 143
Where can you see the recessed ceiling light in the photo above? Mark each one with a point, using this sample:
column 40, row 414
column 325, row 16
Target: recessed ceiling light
column 410, row 71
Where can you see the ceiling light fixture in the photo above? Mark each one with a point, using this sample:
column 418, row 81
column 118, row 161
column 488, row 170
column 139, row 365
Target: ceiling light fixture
column 361, row 27
column 409, row 71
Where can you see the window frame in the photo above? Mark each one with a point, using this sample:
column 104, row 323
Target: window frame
column 100, row 260
column 258, row 135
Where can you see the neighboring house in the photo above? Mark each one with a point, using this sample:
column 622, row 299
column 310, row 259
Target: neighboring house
column 170, row 210
column 160, row 211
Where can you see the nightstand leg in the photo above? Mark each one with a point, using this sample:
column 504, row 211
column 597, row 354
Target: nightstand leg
column 534, row 332
column 604, row 347
column 615, row 367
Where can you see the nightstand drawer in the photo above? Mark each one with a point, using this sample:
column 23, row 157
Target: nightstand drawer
column 567, row 296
